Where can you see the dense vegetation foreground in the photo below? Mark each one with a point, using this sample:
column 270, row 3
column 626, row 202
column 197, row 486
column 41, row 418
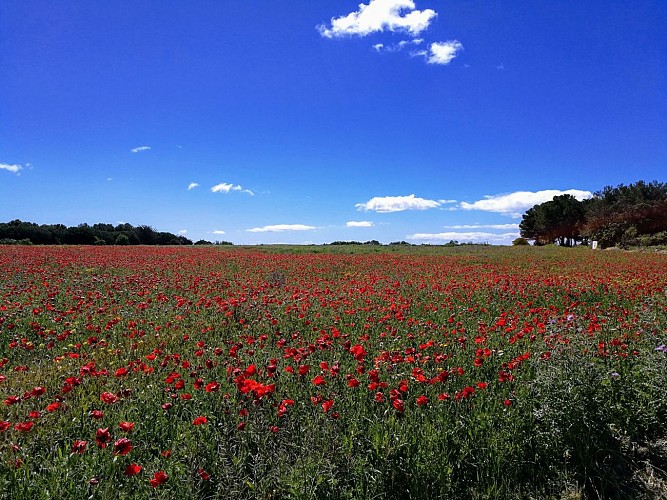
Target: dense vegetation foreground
column 420, row 372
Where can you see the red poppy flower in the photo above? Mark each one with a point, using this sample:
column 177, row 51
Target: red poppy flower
column 11, row 400
column 422, row 401
column 199, row 420
column 326, row 406
column 102, row 437
column 319, row 380
column 126, row 426
column 53, row 406
column 4, row 425
column 203, row 474
column 97, row 414
column 166, row 453
column 212, row 387
column 132, row 469
column 122, row 447
column 121, row 372
column 108, row 397
column 160, row 477
column 24, row 426
column 398, row 405
column 38, row 391
column 303, row 369
column 79, row 446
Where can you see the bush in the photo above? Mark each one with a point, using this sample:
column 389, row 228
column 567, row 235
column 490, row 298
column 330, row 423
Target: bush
column 520, row 242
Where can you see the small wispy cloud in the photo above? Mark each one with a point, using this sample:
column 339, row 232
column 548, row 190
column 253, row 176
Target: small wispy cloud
column 378, row 16
column 225, row 187
column 15, row 169
column 440, row 52
column 217, row 231
column 140, row 149
column 483, row 226
column 192, row 185
column 385, row 204
column 397, row 47
column 359, row 223
column 183, row 231
column 281, row 227
column 516, row 203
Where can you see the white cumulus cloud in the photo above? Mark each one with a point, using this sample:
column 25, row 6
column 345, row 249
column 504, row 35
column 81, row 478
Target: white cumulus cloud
column 516, row 203
column 464, row 237
column 11, row 168
column 281, row 227
column 359, row 223
column 183, row 231
column 225, row 187
column 192, row 185
column 140, row 149
column 483, row 226
column 218, row 231
column 385, row 204
column 380, row 15
column 443, row 52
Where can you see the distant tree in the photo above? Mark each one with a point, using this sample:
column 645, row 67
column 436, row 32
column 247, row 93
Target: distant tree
column 520, row 242
column 146, row 235
column 122, row 239
column 623, row 214
column 203, row 242
column 559, row 220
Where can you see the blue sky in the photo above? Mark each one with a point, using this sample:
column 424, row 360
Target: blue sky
column 314, row 121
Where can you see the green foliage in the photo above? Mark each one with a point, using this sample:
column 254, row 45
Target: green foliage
column 620, row 216
column 520, row 242
column 84, row 234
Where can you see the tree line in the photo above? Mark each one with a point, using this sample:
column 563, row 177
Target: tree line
column 622, row 216
column 21, row 232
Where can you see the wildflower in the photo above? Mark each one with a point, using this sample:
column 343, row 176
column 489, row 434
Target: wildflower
column 199, row 421
column 422, row 401
column 319, row 380
column 122, row 447
column 102, row 437
column 38, row 391
column 203, row 474
column 212, row 387
column 126, row 426
column 132, row 469
column 53, row 406
column 24, row 426
column 79, row 446
column 108, row 397
column 160, row 477
column 97, row 414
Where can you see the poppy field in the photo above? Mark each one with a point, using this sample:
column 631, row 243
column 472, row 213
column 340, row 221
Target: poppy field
column 329, row 372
